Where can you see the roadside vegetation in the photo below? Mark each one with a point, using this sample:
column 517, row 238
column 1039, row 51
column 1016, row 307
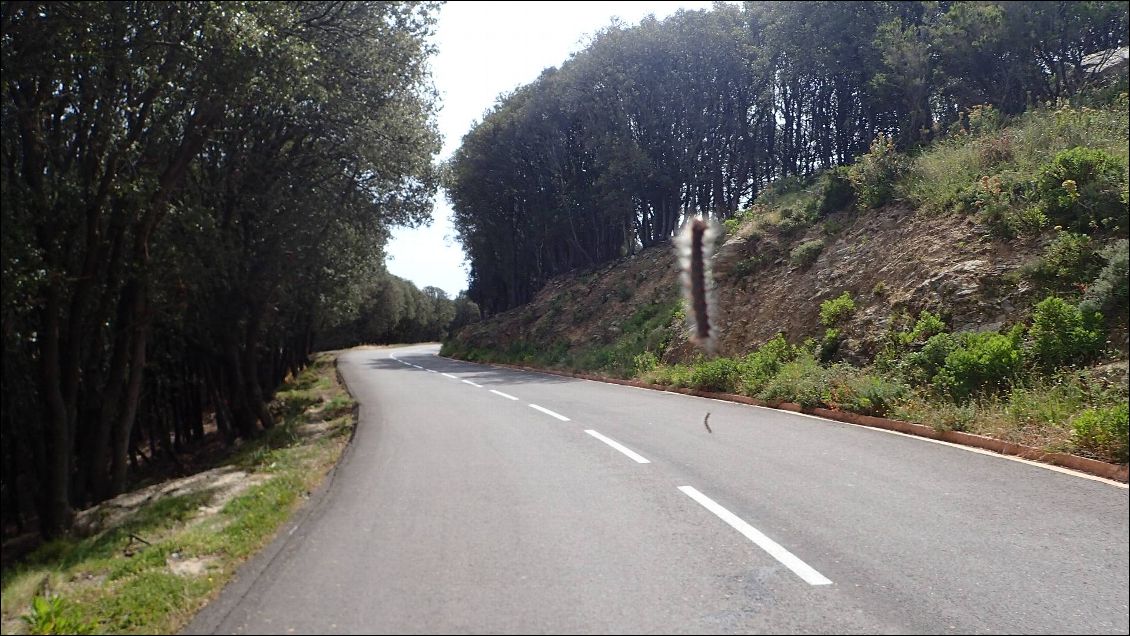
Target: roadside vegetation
column 145, row 562
column 1052, row 379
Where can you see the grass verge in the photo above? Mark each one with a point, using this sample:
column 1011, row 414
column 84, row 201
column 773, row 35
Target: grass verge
column 162, row 553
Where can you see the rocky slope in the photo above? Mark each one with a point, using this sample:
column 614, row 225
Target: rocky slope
column 891, row 260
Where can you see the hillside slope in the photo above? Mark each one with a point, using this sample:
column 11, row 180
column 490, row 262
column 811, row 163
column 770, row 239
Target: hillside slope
column 969, row 294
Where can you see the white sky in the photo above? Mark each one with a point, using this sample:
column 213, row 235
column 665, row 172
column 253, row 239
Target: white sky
column 487, row 48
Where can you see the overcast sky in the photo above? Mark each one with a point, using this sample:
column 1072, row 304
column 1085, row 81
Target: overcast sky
column 487, row 48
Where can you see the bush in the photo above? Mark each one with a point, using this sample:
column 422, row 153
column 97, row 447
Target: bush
column 864, row 393
column 1082, row 188
column 670, row 375
column 802, row 381
column 874, row 174
column 1000, row 204
column 645, row 362
column 984, row 119
column 921, row 367
column 1061, row 334
column 794, row 219
column 1069, row 260
column 1104, row 432
column 720, row 374
column 806, row 253
column 837, row 310
column 54, row 615
column 836, row 192
column 827, row 347
column 982, row 362
column 1109, row 292
column 760, row 366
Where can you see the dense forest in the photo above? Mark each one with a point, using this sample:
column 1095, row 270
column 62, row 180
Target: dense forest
column 695, row 114
column 194, row 195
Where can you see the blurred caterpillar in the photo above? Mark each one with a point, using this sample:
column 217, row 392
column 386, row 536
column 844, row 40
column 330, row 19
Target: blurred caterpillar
column 695, row 245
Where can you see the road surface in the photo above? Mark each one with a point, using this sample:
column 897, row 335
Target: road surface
column 477, row 499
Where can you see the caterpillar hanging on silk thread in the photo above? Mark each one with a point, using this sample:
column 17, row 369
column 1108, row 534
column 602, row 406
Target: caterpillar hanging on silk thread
column 695, row 246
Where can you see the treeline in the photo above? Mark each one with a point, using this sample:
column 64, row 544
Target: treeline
column 694, row 114
column 192, row 192
column 391, row 309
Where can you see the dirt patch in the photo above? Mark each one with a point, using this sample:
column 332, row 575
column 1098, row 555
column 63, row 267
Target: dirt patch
column 223, row 484
column 182, row 566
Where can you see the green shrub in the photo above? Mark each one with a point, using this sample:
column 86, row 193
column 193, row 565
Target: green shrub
column 760, row 366
column 828, row 346
column 806, row 253
column 984, row 119
column 1082, row 188
column 645, row 362
column 1104, row 431
column 1001, row 204
column 669, row 375
column 983, row 362
column 1109, row 292
column 920, row 367
column 731, row 226
column 836, row 192
column 927, row 326
column 836, row 310
column 1061, row 334
column 1068, row 260
column 54, row 615
column 874, row 174
column 802, row 380
column 859, row 392
column 795, row 219
column 719, row 374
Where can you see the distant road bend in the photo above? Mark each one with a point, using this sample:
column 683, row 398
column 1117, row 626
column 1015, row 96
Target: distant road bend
column 478, row 499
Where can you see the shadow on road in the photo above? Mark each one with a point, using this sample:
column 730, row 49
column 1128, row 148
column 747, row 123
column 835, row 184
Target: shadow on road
column 478, row 373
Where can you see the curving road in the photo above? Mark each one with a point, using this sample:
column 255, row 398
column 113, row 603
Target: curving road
column 477, row 499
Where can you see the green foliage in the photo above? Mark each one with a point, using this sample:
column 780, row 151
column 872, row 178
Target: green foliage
column 796, row 219
column 826, row 348
column 759, row 367
column 719, row 374
column 837, row 310
column 859, row 392
column 1082, row 188
column 731, row 226
column 1104, row 432
column 806, row 253
column 980, row 362
column 1108, row 292
column 53, row 615
column 644, row 362
column 217, row 180
column 874, row 175
column 983, row 119
column 1000, row 206
column 802, row 380
column 836, row 192
column 996, row 174
column 1069, row 260
column 1061, row 334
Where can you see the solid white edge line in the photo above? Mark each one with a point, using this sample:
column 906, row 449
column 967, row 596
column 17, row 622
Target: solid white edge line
column 505, row 395
column 788, row 559
column 449, row 376
column 636, row 457
column 549, row 412
column 477, row 386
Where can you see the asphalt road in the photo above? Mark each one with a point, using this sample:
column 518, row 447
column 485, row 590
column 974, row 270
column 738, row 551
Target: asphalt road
column 476, row 499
